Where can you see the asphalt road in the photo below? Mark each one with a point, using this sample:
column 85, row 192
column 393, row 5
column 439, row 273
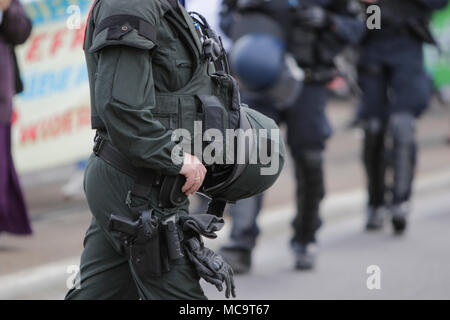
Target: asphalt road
column 413, row 266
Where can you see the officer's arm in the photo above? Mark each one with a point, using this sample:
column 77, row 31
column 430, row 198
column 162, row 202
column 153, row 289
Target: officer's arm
column 226, row 15
column 433, row 4
column 124, row 95
column 349, row 29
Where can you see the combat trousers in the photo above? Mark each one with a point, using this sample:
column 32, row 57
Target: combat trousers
column 396, row 90
column 105, row 272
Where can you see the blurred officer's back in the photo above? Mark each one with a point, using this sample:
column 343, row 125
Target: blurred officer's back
column 396, row 90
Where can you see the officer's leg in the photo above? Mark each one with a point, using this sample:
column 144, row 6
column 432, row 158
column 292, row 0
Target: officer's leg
column 374, row 105
column 308, row 130
column 180, row 283
column 411, row 93
column 244, row 232
column 375, row 167
column 310, row 192
column 403, row 149
column 106, row 192
column 104, row 273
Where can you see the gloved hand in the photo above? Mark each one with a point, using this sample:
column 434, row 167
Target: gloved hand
column 313, row 17
column 210, row 266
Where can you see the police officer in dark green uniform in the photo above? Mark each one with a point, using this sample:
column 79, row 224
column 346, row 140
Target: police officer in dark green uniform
column 152, row 70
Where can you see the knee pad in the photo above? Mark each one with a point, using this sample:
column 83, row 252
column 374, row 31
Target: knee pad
column 374, row 130
column 373, row 126
column 402, row 128
column 373, row 157
column 309, row 167
column 401, row 133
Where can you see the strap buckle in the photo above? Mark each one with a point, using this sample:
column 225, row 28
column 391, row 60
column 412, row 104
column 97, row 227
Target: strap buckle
column 98, row 143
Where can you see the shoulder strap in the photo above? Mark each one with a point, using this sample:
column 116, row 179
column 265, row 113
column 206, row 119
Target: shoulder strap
column 116, row 23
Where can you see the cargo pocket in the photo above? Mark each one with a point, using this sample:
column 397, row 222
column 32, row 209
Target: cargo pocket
column 184, row 72
column 166, row 111
column 215, row 119
column 214, row 113
column 190, row 111
column 190, row 118
column 228, row 91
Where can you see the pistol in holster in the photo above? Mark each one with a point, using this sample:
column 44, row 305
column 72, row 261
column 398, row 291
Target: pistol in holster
column 150, row 242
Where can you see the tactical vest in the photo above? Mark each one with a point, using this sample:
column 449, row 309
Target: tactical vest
column 188, row 88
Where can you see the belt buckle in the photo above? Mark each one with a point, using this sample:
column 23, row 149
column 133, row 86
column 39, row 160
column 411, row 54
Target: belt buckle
column 98, row 142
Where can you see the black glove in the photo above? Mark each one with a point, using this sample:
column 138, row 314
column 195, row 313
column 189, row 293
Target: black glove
column 203, row 224
column 210, row 266
column 313, row 17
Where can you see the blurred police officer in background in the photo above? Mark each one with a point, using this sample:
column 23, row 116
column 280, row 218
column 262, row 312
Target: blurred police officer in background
column 396, row 90
column 272, row 40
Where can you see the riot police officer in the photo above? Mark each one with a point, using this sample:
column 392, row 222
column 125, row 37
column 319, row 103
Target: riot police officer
column 313, row 32
column 152, row 70
column 396, row 90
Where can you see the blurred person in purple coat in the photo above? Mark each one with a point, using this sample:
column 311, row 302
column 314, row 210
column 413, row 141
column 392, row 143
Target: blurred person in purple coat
column 15, row 28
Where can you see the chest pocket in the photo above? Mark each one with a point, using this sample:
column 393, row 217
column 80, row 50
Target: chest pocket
column 172, row 60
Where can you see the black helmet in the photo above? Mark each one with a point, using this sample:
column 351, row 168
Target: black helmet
column 259, row 137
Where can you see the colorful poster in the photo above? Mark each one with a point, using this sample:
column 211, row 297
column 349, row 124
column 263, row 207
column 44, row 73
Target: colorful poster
column 51, row 121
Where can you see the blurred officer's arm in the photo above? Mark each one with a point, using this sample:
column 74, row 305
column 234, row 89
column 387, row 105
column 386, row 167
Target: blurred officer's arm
column 349, row 27
column 226, row 15
column 433, row 4
column 15, row 25
column 346, row 21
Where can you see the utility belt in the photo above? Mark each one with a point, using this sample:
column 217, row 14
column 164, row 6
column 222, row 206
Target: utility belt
column 148, row 180
column 145, row 180
column 151, row 242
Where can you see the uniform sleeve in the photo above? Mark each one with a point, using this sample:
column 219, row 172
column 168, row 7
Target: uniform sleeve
column 124, row 96
column 349, row 29
column 15, row 26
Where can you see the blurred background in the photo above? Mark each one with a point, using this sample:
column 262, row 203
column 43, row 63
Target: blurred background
column 51, row 140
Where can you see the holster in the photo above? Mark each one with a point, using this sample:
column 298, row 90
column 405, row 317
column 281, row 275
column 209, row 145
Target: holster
column 142, row 243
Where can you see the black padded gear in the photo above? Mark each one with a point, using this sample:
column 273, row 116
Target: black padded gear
column 310, row 192
column 401, row 133
column 374, row 161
